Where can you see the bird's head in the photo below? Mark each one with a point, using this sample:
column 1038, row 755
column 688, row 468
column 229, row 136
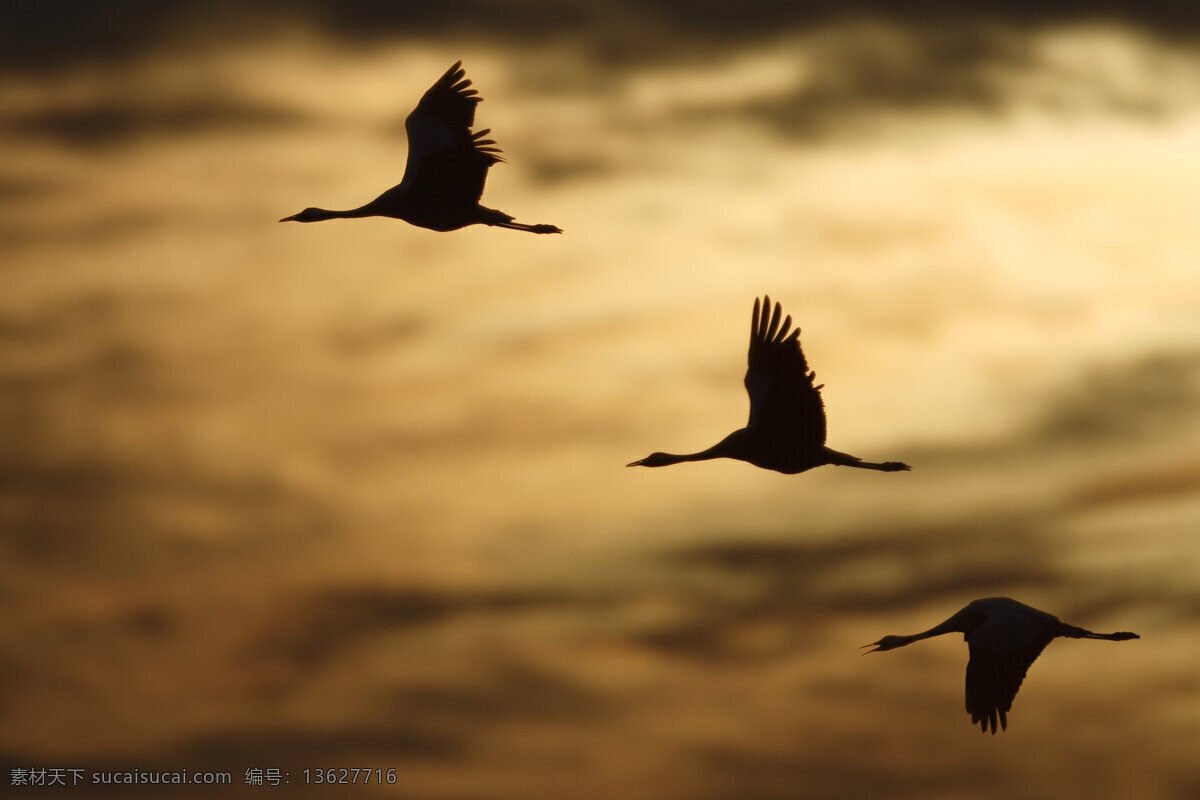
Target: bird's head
column 308, row 215
column 887, row 643
column 655, row 460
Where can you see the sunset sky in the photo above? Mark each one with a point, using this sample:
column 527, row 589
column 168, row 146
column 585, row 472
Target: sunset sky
column 353, row 494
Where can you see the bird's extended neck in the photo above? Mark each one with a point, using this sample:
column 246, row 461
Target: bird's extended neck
column 353, row 213
column 703, row 455
column 959, row 623
column 322, row 214
column 729, row 447
column 739, row 445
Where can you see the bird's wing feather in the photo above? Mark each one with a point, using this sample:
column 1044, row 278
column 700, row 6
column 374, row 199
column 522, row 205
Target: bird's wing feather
column 454, row 176
column 1000, row 657
column 783, row 397
column 444, row 115
column 443, row 155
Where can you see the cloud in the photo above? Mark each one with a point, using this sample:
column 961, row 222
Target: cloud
column 737, row 582
column 284, row 746
column 1146, row 397
column 509, row 691
column 333, row 621
column 105, row 123
column 740, row 772
column 52, row 35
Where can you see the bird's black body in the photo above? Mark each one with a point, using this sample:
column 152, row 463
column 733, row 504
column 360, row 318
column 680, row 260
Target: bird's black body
column 1004, row 638
column 446, row 170
column 786, row 428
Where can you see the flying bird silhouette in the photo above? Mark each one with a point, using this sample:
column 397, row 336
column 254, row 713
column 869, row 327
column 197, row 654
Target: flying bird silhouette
column 447, row 166
column 1004, row 638
column 786, row 429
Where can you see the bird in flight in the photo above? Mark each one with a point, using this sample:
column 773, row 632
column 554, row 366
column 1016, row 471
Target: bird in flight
column 786, row 429
column 1004, row 638
column 447, row 166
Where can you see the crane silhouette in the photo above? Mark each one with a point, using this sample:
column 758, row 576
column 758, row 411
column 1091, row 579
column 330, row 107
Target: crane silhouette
column 446, row 170
column 786, row 429
column 1004, row 638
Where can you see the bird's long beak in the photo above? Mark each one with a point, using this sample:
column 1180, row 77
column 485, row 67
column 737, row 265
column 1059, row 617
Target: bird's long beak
column 292, row 218
column 635, row 463
column 872, row 644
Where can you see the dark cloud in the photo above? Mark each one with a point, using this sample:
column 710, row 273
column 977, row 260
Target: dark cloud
column 862, row 76
column 882, row 58
column 83, row 314
column 510, row 691
column 549, row 170
column 112, row 123
column 861, row 70
column 117, row 369
column 739, row 773
column 1147, row 397
column 56, row 34
column 797, row 583
column 19, row 189
column 1144, row 401
column 333, row 621
column 360, row 336
column 50, row 35
column 73, row 500
column 1164, row 482
column 329, row 746
column 101, row 227
column 124, row 520
column 284, row 747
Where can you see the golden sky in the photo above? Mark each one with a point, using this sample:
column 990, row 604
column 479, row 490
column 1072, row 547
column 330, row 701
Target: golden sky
column 308, row 496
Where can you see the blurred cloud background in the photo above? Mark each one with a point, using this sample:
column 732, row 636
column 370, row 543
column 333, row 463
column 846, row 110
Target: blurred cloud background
column 352, row 494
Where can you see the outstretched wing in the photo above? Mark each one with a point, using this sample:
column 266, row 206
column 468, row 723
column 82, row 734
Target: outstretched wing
column 994, row 677
column 447, row 164
column 783, row 399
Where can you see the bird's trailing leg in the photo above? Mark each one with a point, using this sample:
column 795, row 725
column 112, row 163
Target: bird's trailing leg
column 517, row 226
column 497, row 218
column 847, row 460
column 1119, row 636
column 886, row 466
column 1083, row 633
